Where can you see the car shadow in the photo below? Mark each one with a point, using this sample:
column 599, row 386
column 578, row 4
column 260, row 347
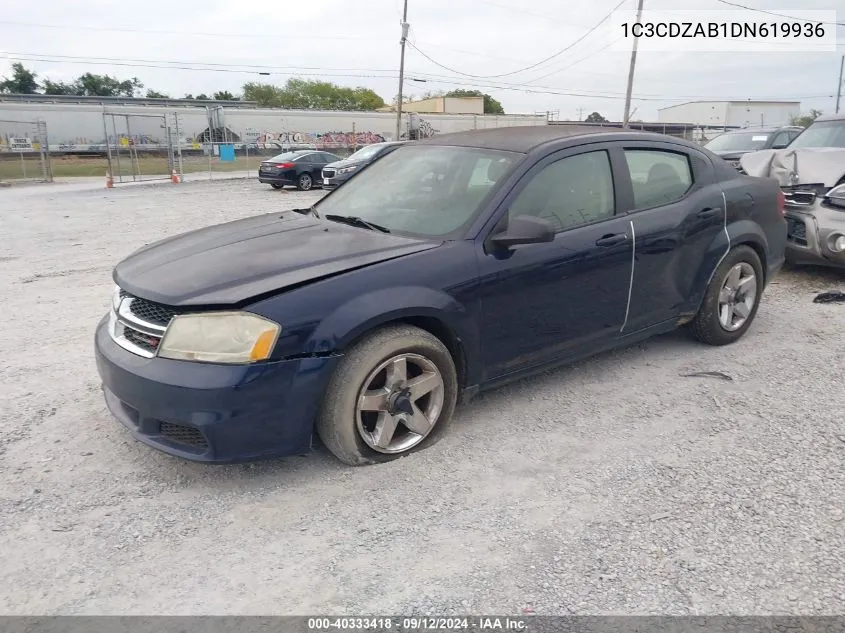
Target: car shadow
column 320, row 463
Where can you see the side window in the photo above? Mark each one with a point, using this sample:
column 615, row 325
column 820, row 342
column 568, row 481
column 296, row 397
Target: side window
column 569, row 192
column 781, row 139
column 658, row 177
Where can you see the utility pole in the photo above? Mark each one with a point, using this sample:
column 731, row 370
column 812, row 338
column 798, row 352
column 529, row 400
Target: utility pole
column 580, row 114
column 401, row 71
column 839, row 86
column 627, row 114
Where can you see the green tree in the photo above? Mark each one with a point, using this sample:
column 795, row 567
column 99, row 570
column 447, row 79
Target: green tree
column 491, row 105
column 58, row 88
column 308, row 94
column 153, row 94
column 202, row 97
column 595, row 117
column 224, row 95
column 804, row 120
column 90, row 84
column 22, row 81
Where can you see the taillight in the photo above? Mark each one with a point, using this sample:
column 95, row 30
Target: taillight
column 781, row 202
column 285, row 165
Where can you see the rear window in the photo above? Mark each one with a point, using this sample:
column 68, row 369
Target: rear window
column 284, row 157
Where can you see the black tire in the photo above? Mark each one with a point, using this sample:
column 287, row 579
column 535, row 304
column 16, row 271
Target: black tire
column 276, row 185
column 705, row 327
column 304, row 182
column 337, row 422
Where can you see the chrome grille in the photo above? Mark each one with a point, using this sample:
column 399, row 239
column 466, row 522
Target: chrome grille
column 138, row 325
column 328, row 173
column 152, row 312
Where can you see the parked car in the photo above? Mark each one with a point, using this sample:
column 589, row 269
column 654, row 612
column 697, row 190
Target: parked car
column 811, row 172
column 301, row 169
column 335, row 174
column 732, row 145
column 363, row 318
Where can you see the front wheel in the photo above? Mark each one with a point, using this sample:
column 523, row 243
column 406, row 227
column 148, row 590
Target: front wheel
column 732, row 298
column 393, row 393
column 305, row 182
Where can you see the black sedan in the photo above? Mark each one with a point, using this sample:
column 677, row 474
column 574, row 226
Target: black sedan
column 364, row 317
column 335, row 174
column 301, row 169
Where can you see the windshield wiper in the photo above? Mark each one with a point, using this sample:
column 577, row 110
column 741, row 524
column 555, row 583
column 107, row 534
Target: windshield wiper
column 353, row 220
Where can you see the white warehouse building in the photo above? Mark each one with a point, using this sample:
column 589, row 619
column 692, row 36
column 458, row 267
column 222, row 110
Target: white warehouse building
column 731, row 113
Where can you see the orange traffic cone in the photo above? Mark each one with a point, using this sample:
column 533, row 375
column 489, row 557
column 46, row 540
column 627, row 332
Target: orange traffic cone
column 174, row 177
column 109, row 181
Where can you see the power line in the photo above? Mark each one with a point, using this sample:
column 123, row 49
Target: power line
column 245, row 67
column 42, row 58
column 522, row 11
column 514, row 72
column 434, row 78
column 780, row 15
column 117, row 29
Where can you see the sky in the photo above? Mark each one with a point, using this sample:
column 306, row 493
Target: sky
column 192, row 47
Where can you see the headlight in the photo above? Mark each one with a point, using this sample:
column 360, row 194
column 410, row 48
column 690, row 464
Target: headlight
column 219, row 337
column 346, row 170
column 836, row 196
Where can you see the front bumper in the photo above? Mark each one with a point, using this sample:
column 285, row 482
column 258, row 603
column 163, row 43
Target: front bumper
column 213, row 413
column 335, row 181
column 809, row 235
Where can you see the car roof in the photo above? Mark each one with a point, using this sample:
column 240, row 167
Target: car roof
column 526, row 138
column 764, row 129
column 831, row 117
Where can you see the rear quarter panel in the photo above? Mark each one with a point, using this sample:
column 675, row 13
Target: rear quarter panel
column 754, row 218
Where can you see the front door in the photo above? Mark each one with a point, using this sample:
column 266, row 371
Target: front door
column 542, row 302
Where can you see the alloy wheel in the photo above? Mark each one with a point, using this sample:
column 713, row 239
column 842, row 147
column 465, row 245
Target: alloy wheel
column 399, row 403
column 737, row 297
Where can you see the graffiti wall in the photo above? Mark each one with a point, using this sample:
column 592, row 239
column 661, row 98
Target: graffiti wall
column 319, row 140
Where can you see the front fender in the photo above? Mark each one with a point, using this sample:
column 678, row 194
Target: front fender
column 373, row 309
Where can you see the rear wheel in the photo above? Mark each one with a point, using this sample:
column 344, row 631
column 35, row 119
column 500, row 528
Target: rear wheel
column 393, row 394
column 732, row 298
column 305, row 182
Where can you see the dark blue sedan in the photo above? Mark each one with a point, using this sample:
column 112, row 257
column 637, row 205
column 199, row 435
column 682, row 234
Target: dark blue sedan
column 449, row 266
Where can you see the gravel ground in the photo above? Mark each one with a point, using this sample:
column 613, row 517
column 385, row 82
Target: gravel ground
column 613, row 486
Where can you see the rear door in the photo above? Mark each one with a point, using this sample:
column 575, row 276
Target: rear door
column 677, row 211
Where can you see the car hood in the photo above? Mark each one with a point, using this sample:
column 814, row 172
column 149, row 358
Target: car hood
column 806, row 165
column 732, row 155
column 233, row 262
column 345, row 163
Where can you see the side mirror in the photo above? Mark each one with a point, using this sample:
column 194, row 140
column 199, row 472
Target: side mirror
column 524, row 229
column 779, row 145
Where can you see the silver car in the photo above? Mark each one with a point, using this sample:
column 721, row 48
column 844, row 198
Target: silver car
column 811, row 173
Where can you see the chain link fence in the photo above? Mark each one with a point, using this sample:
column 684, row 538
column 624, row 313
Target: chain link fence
column 24, row 154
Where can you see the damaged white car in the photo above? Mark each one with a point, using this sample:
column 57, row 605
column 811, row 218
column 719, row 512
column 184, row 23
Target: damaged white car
column 811, row 173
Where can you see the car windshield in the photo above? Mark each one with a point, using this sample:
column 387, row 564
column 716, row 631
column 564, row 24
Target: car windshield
column 365, row 152
column 821, row 134
column 429, row 190
column 738, row 142
column 284, row 157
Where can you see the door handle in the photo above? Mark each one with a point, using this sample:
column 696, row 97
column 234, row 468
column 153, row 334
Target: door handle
column 612, row 240
column 709, row 212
